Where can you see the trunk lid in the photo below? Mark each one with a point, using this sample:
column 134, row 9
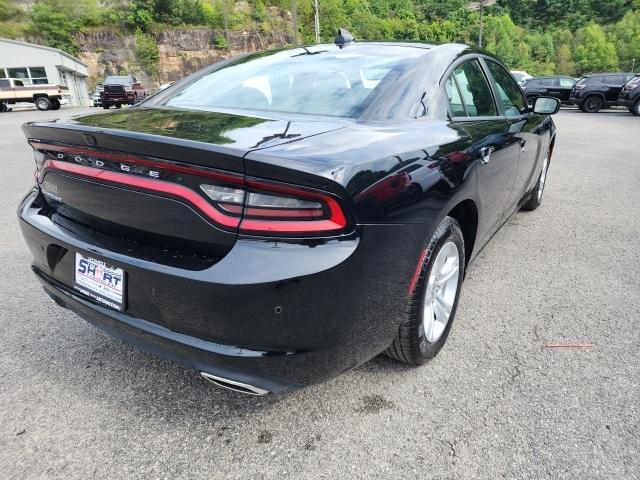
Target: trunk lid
column 137, row 175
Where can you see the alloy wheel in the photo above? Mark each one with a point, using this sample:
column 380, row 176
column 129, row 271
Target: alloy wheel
column 592, row 104
column 441, row 290
column 42, row 104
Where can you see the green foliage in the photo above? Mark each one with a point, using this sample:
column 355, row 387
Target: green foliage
column 541, row 36
column 221, row 42
column 147, row 53
column 593, row 52
column 58, row 20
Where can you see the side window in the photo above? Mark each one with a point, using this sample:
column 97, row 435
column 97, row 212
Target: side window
column 4, row 84
column 453, row 94
column 567, row 82
column 18, row 83
column 474, row 90
column 615, row 80
column 508, row 90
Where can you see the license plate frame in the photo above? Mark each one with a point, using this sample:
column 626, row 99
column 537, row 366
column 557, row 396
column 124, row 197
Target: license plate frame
column 104, row 283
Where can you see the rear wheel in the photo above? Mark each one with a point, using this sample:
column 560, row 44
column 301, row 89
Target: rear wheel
column 105, row 106
column 592, row 104
column 535, row 198
column 636, row 109
column 43, row 103
column 3, row 107
column 118, row 105
column 55, row 104
column 434, row 299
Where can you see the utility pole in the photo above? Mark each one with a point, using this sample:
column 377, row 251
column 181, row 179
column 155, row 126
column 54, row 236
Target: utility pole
column 317, row 21
column 480, row 6
column 294, row 20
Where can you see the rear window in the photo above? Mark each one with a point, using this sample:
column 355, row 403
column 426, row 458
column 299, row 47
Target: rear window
column 118, row 80
column 318, row 81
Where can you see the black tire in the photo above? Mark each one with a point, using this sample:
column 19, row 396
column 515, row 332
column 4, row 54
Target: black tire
column 592, row 104
column 55, row 105
column 536, row 194
column 105, row 106
column 43, row 103
column 3, row 107
column 636, row 109
column 118, row 105
column 411, row 345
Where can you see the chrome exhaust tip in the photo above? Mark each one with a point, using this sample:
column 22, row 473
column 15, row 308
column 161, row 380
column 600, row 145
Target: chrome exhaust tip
column 234, row 385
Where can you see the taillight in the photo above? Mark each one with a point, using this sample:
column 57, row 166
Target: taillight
column 268, row 208
column 580, row 87
column 631, row 86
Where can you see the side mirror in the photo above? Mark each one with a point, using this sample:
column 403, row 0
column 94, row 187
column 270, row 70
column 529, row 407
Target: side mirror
column 546, row 105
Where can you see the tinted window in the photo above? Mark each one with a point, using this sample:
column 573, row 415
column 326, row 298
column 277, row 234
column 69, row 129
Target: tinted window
column 567, row 82
column 615, row 79
column 474, row 90
column 18, row 83
column 455, row 100
column 315, row 80
column 118, row 80
column 4, row 84
column 508, row 90
column 549, row 82
column 594, row 80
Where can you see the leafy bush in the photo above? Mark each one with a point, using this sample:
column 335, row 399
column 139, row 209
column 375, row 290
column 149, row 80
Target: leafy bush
column 147, row 53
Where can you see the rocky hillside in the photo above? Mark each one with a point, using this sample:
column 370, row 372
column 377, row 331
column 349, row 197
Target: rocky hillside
column 181, row 51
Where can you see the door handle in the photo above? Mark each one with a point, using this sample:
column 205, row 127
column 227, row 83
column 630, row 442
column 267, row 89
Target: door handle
column 485, row 154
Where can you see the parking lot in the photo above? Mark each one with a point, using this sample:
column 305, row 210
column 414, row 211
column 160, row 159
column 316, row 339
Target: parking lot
column 496, row 403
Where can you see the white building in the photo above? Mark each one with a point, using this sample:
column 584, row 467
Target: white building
column 38, row 64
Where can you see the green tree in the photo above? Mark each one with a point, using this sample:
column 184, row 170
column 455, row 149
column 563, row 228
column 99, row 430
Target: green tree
column 593, row 51
column 626, row 35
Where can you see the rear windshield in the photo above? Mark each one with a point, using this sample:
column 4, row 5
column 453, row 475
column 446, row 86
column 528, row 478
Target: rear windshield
column 118, row 80
column 317, row 81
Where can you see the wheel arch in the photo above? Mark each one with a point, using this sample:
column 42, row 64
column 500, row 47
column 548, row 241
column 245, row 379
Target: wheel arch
column 466, row 214
column 40, row 95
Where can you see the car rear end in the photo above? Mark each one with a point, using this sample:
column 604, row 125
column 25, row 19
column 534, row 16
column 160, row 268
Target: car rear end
column 168, row 245
column 630, row 93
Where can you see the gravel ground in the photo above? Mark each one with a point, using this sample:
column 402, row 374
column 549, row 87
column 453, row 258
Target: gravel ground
column 76, row 404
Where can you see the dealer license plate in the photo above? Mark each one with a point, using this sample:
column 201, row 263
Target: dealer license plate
column 103, row 283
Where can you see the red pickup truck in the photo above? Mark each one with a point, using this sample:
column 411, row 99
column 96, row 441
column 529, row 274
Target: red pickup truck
column 121, row 90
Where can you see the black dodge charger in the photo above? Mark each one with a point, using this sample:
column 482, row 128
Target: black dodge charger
column 282, row 217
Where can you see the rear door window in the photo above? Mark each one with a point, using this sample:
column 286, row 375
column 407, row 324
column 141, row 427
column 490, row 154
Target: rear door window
column 474, row 90
column 567, row 82
column 455, row 100
column 509, row 92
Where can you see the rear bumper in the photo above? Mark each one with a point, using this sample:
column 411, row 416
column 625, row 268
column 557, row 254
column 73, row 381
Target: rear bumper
column 627, row 102
column 274, row 314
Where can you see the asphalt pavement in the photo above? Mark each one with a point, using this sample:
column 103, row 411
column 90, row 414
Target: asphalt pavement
column 496, row 403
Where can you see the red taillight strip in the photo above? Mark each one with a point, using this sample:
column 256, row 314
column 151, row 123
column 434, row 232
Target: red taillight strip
column 336, row 220
column 168, row 188
column 164, row 165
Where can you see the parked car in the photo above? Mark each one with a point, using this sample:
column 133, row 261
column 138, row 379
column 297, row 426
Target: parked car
column 520, row 76
column 594, row 92
column 121, row 90
column 630, row 95
column 559, row 87
column 96, row 99
column 271, row 238
column 45, row 97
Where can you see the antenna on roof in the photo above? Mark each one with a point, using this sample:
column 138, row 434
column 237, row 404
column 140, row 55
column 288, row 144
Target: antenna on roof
column 343, row 38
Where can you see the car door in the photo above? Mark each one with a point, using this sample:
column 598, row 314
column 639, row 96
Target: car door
column 565, row 88
column 473, row 107
column 612, row 87
column 524, row 128
column 553, row 87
